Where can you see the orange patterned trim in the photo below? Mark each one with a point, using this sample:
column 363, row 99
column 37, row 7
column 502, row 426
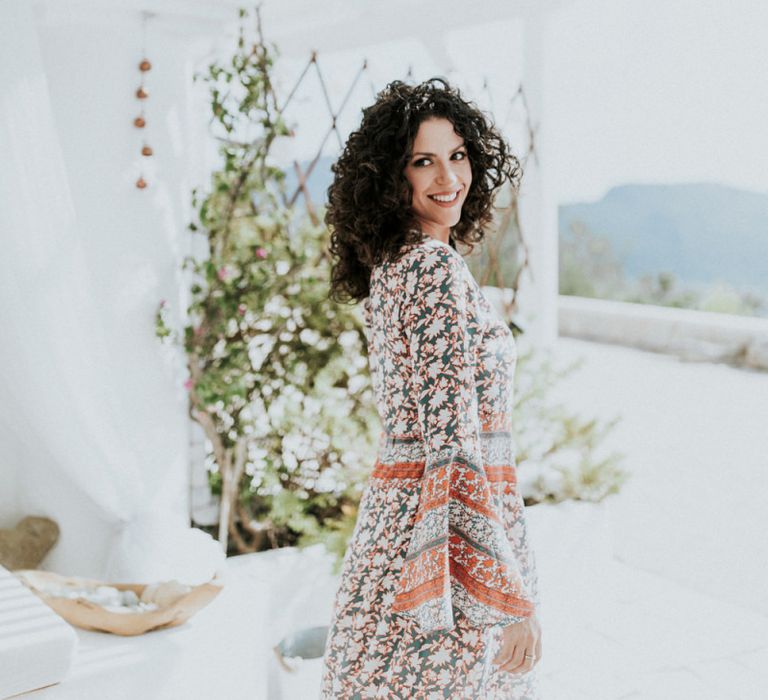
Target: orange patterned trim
column 422, row 593
column 510, row 604
column 414, row 470
column 398, row 470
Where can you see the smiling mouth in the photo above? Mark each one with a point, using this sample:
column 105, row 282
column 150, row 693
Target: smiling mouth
column 445, row 199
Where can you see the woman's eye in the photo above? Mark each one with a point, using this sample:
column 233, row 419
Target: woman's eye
column 463, row 155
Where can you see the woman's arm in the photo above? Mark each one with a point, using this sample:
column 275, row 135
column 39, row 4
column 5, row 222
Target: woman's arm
column 459, row 558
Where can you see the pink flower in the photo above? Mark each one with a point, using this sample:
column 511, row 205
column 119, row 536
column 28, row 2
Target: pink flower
column 261, row 253
column 198, row 331
column 188, row 384
column 241, row 309
column 162, row 302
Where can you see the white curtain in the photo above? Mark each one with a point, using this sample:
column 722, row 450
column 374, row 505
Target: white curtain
column 80, row 444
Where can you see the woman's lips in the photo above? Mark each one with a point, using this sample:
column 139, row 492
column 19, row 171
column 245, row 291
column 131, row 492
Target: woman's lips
column 447, row 205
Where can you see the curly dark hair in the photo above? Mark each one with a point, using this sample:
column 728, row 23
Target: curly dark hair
column 369, row 210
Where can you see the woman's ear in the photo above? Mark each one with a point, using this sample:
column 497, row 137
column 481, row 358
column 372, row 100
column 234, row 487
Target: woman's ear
column 406, row 193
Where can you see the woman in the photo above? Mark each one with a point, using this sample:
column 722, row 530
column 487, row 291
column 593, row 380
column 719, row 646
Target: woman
column 438, row 592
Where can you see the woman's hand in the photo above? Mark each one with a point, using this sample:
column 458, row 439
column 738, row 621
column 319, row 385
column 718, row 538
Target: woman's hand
column 518, row 639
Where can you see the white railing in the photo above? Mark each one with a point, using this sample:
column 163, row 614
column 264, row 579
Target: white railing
column 689, row 334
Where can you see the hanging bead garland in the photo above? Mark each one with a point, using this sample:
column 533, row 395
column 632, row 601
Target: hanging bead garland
column 142, row 94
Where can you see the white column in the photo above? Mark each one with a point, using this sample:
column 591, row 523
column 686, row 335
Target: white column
column 538, row 209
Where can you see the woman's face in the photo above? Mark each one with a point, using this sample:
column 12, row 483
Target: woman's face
column 438, row 165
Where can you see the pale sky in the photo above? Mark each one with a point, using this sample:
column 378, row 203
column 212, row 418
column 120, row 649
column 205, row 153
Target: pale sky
column 654, row 91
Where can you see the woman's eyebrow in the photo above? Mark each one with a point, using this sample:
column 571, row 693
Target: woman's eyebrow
column 423, row 153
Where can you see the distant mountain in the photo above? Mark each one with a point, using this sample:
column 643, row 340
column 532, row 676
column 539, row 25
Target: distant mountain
column 699, row 232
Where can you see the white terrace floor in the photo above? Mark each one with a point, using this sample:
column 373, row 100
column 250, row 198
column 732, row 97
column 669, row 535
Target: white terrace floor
column 675, row 609
column 681, row 609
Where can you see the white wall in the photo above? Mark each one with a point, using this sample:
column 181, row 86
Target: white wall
column 9, row 458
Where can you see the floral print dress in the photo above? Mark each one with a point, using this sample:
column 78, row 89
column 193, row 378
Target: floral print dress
column 439, row 560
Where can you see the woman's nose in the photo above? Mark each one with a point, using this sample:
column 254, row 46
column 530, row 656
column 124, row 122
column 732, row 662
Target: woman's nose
column 446, row 175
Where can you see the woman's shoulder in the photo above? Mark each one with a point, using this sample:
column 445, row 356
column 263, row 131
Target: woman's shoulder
column 427, row 256
column 419, row 271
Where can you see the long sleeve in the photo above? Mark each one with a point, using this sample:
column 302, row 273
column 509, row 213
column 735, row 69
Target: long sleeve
column 459, row 558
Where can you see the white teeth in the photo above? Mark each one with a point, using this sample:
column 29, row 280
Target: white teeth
column 445, row 198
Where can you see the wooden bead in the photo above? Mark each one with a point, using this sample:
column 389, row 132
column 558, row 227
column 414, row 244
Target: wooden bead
column 146, row 151
column 141, row 183
column 141, row 93
column 145, row 65
column 139, row 122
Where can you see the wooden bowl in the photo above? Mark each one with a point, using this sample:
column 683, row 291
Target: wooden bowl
column 91, row 616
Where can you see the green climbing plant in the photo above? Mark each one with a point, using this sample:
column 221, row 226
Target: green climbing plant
column 278, row 373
